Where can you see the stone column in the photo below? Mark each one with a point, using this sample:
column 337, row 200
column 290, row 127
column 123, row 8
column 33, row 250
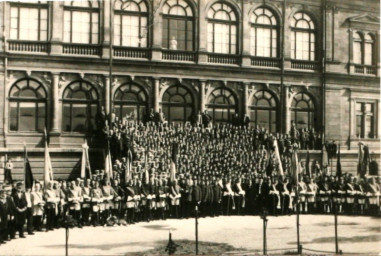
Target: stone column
column 55, row 104
column 246, row 98
column 57, row 28
column 202, row 95
column 156, row 94
column 287, row 112
column 107, row 95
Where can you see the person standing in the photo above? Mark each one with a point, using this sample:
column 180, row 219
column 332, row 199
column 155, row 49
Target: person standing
column 38, row 204
column 20, row 202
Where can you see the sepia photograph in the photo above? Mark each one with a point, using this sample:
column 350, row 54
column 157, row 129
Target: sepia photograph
column 190, row 127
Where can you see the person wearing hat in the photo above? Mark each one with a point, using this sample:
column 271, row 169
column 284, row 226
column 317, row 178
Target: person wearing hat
column 21, row 206
column 51, row 206
column 38, row 204
column 5, row 209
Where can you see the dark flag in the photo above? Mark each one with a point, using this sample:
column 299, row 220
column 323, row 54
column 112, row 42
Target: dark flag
column 365, row 162
column 8, row 166
column 308, row 171
column 27, row 171
column 338, row 166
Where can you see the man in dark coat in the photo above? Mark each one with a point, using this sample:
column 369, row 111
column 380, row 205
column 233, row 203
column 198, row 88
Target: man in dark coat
column 5, row 210
column 20, row 209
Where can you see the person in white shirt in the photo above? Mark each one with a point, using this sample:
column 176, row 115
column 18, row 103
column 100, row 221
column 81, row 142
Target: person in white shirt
column 38, row 204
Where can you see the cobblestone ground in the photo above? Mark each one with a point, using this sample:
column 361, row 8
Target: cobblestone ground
column 222, row 235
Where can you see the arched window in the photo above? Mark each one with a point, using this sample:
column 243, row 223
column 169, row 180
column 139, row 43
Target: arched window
column 130, row 102
column 222, row 105
column 130, row 23
column 178, row 25
column 29, row 21
column 263, row 111
column 222, row 29
column 81, row 22
column 27, row 106
column 264, row 34
column 363, row 46
column 177, row 104
column 303, row 111
column 302, row 37
column 80, row 106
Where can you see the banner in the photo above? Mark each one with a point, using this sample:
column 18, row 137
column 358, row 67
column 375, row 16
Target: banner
column 48, row 170
column 28, row 178
column 85, row 162
column 278, row 157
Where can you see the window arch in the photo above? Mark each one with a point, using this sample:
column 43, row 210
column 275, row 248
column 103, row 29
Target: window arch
column 29, row 21
column 130, row 23
column 27, row 106
column 363, row 48
column 264, row 33
column 303, row 111
column 80, row 106
column 222, row 104
column 130, row 101
column 263, row 110
column 177, row 104
column 81, row 22
column 178, row 25
column 303, row 37
column 222, row 29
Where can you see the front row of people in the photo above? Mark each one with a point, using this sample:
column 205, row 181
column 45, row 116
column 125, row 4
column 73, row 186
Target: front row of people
column 98, row 202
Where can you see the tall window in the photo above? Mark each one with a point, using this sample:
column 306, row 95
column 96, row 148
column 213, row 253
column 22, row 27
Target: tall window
column 263, row 34
column 222, row 29
column 263, row 111
column 27, row 106
column 363, row 46
column 130, row 102
column 80, row 106
column 130, row 23
column 303, row 111
column 222, row 105
column 29, row 21
column 178, row 23
column 81, row 22
column 302, row 37
column 177, row 104
column 365, row 120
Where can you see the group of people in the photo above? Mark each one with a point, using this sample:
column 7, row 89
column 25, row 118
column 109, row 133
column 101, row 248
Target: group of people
column 163, row 170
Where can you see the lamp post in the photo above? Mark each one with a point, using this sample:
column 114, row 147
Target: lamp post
column 264, row 218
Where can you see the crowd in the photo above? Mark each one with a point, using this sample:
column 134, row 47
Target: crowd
column 225, row 169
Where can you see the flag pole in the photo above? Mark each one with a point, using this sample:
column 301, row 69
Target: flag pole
column 25, row 165
column 297, row 205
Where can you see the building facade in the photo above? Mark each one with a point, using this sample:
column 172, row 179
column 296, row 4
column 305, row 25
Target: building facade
column 312, row 62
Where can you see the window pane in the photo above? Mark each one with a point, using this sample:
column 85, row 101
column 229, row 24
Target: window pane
column 13, row 117
column 27, row 116
column 368, row 54
column 359, row 126
column 301, row 120
column 81, row 29
column 79, row 117
column 263, row 119
column 41, row 124
column 369, row 126
column 28, row 29
column 66, row 122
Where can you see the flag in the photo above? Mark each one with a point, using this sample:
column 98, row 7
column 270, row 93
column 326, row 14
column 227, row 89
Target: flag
column 48, row 170
column 324, row 161
column 278, row 157
column 360, row 156
column 365, row 162
column 85, row 162
column 338, row 165
column 146, row 167
column 108, row 166
column 28, row 179
column 295, row 168
column 175, row 149
column 128, row 171
column 308, row 171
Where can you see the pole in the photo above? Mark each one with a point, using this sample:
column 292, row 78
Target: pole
column 297, row 219
column 264, row 217
column 336, row 235
column 67, row 241
column 111, row 55
column 196, row 230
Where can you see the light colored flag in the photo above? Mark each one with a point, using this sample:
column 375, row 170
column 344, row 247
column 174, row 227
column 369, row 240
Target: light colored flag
column 128, row 166
column 278, row 157
column 295, row 167
column 85, row 162
column 108, row 166
column 175, row 149
column 48, row 170
column 324, row 161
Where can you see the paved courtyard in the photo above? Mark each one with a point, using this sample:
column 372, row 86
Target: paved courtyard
column 228, row 235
